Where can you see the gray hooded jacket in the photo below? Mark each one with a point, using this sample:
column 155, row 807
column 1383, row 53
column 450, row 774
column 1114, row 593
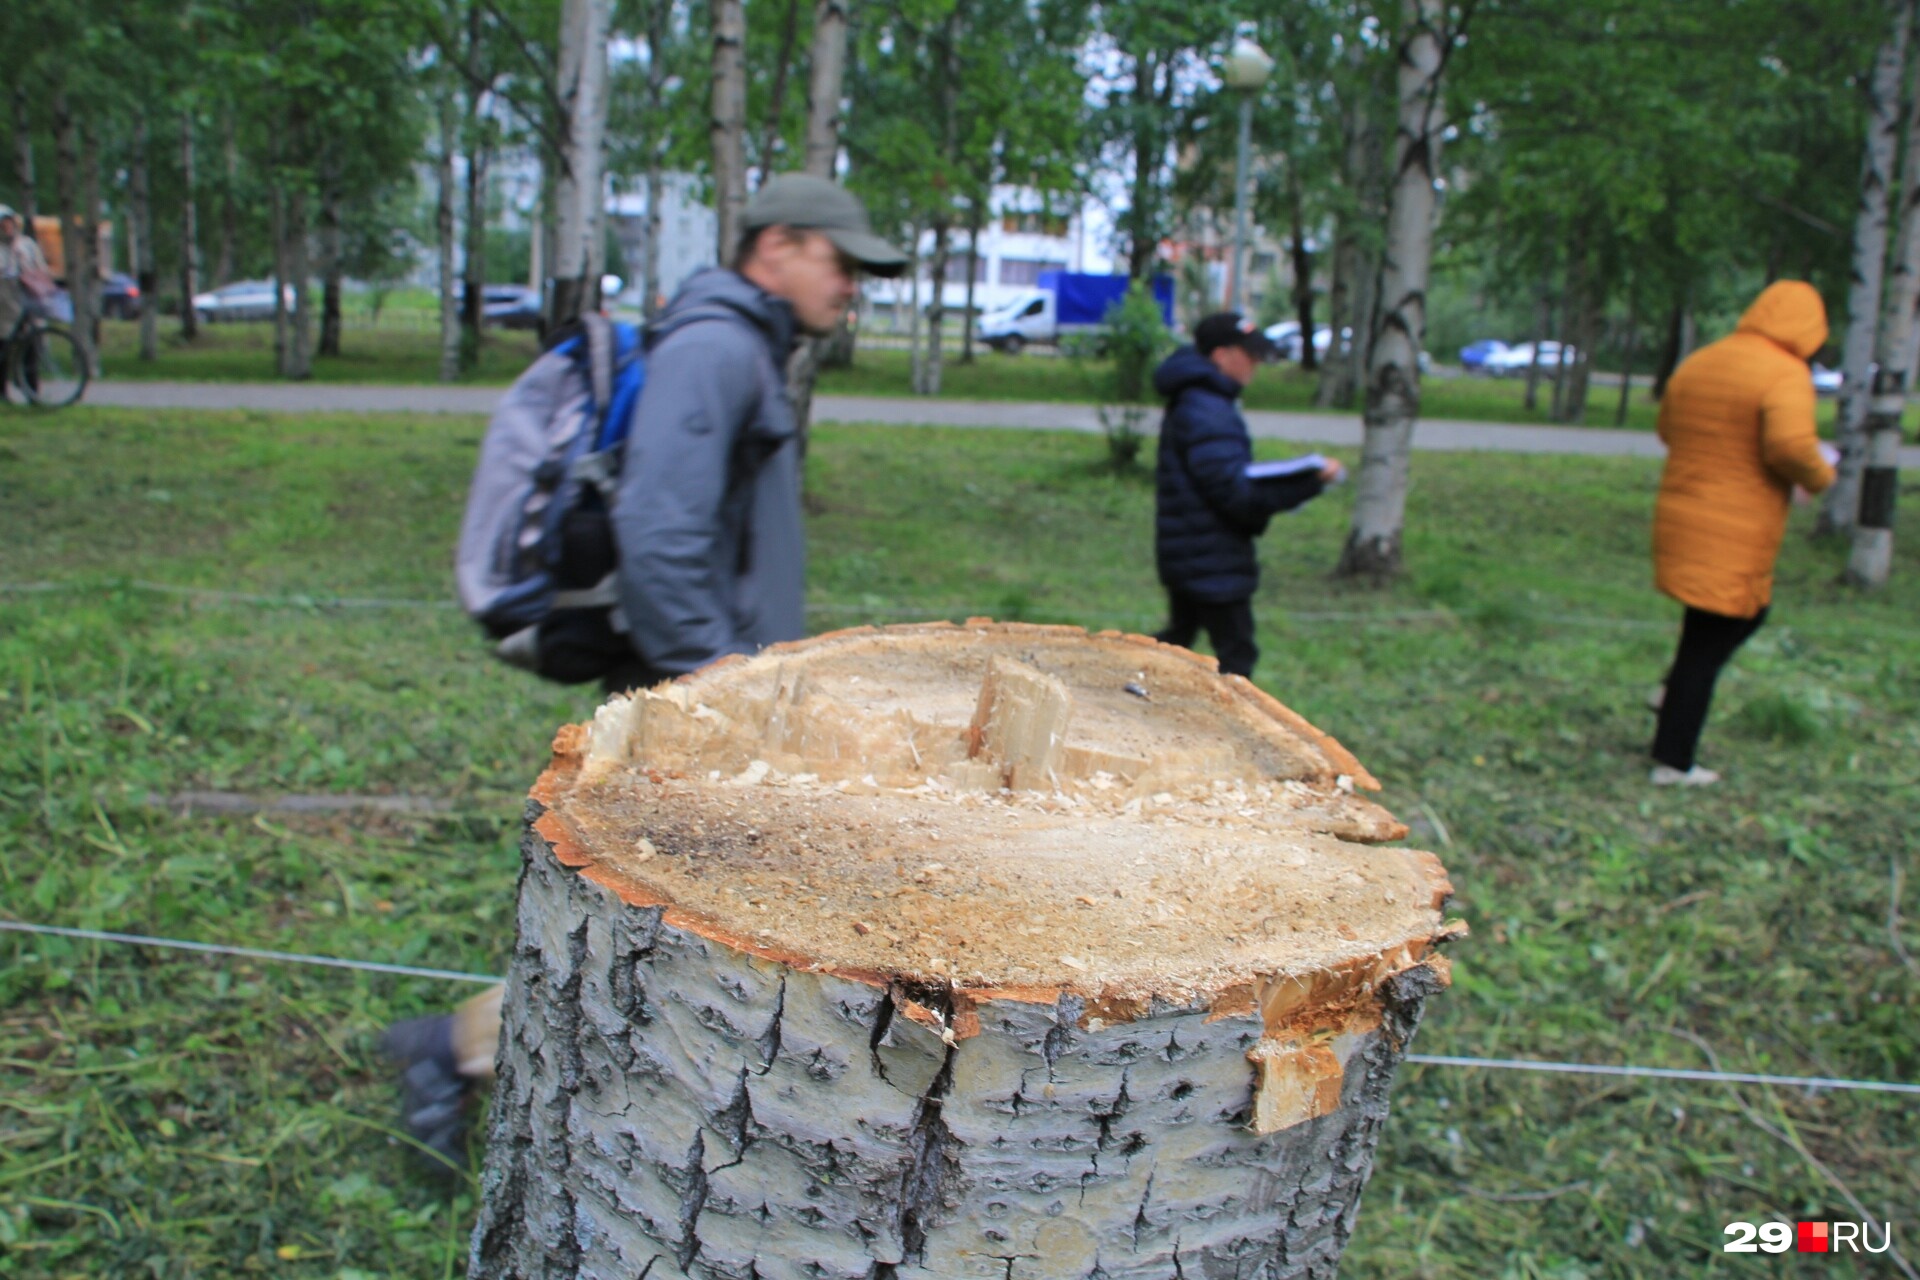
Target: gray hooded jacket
column 707, row 515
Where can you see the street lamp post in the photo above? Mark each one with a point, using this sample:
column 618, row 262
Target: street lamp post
column 1246, row 68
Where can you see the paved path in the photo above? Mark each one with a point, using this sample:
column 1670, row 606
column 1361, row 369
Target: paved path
column 1317, row 428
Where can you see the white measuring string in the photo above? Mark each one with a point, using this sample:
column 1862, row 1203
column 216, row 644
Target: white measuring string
column 248, row 953
column 1423, row 1059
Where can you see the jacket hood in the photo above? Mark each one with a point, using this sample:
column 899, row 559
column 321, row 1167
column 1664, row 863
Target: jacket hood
column 1790, row 313
column 713, row 287
column 1187, row 367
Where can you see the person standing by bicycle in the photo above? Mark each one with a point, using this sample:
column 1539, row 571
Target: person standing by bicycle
column 19, row 255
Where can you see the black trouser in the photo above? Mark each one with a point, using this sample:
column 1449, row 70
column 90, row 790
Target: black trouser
column 1707, row 640
column 1229, row 625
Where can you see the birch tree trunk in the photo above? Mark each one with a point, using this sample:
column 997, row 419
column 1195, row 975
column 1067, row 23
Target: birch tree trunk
column 825, row 86
column 473, row 296
column 299, row 353
column 987, row 974
column 332, row 259
column 26, row 191
column 444, row 232
column 1870, row 561
column 144, row 273
column 658, row 14
column 277, row 217
column 976, row 213
column 727, row 126
column 229, row 204
column 1840, row 509
column 1393, row 375
column 579, row 201
column 771, row 140
column 84, row 285
column 189, row 232
column 930, row 368
column 70, row 182
column 1303, row 284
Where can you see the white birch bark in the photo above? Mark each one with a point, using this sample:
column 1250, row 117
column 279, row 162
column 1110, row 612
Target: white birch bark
column 1393, row 375
column 1870, row 561
column 1840, row 508
column 579, row 199
column 727, row 127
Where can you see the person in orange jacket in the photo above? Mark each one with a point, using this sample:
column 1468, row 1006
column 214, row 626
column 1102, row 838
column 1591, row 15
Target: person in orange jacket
column 1738, row 423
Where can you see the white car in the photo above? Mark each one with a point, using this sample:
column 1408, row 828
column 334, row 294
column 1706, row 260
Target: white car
column 242, row 300
column 1827, row 382
column 1516, row 360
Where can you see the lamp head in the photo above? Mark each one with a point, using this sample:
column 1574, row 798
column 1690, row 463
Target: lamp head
column 1246, row 66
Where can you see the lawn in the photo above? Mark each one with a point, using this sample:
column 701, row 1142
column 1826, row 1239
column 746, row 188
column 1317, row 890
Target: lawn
column 173, row 1116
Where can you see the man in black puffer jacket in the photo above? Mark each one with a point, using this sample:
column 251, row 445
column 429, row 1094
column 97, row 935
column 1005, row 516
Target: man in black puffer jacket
column 1207, row 510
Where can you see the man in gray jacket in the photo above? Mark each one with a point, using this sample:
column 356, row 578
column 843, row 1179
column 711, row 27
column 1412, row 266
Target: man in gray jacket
column 707, row 519
column 707, row 516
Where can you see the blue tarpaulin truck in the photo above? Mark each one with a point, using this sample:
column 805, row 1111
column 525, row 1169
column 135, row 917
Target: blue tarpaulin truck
column 1064, row 303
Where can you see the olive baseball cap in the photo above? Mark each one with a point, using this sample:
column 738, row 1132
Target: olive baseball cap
column 807, row 203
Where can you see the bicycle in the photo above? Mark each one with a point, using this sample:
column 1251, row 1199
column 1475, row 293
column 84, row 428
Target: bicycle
column 43, row 363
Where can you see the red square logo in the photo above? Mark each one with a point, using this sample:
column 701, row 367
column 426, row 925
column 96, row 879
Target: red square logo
column 1813, row 1237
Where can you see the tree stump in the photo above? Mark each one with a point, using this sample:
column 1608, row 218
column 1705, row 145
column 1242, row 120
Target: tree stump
column 990, row 951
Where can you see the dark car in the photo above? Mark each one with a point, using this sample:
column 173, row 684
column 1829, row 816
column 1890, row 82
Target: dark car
column 120, row 298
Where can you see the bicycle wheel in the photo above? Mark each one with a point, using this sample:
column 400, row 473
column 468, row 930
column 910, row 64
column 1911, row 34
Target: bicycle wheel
column 45, row 366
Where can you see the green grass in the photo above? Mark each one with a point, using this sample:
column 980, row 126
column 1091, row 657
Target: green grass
column 404, row 350
column 401, row 350
column 172, row 1116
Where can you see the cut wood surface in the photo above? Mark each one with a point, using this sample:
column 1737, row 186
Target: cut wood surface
column 983, row 950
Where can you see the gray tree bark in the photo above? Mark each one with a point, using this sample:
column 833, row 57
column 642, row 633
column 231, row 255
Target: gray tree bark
column 144, row 273
column 825, row 85
column 229, row 204
column 1840, row 508
column 26, row 190
column 444, row 235
column 727, row 127
column 579, row 200
column 332, row 258
column 675, row 1100
column 1373, row 546
column 189, row 232
column 78, row 267
column 298, row 364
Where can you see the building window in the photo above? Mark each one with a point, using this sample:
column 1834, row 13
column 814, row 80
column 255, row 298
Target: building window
column 1033, row 224
column 1026, row 270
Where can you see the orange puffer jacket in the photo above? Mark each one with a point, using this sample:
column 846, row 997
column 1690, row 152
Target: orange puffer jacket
column 1738, row 423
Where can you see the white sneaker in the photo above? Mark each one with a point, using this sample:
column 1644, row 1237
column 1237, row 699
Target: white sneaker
column 1665, row 775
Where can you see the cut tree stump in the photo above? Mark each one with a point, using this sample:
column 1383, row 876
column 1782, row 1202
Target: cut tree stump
column 989, row 951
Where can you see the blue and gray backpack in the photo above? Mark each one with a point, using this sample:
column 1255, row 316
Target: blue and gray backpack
column 537, row 538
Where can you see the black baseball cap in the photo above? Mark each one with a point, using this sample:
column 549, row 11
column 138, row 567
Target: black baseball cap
column 808, row 203
column 1231, row 329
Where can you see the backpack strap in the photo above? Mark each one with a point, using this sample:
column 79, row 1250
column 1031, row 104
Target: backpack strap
column 600, row 354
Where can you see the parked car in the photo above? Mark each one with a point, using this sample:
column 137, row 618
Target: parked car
column 1827, row 382
column 1516, row 360
column 1474, row 356
column 242, row 300
column 509, row 306
column 1285, row 337
column 120, row 298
